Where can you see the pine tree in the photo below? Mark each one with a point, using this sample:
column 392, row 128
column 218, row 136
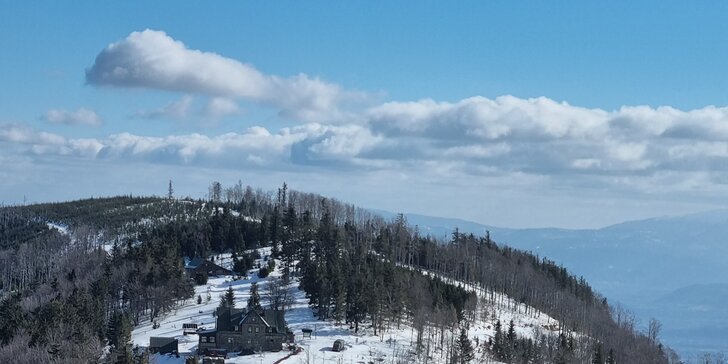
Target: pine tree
column 170, row 190
column 254, row 300
column 11, row 318
column 230, row 297
column 119, row 336
column 466, row 353
column 497, row 347
column 511, row 336
column 610, row 357
column 598, row 356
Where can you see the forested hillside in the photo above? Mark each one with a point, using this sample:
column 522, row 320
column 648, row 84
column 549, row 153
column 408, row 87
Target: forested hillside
column 77, row 276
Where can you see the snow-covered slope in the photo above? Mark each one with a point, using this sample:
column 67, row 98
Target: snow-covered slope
column 635, row 263
column 392, row 346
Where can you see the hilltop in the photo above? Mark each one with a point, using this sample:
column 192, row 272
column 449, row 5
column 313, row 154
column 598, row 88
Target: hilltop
column 366, row 277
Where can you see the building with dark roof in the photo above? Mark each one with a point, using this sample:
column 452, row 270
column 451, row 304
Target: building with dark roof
column 200, row 265
column 240, row 330
column 163, row 345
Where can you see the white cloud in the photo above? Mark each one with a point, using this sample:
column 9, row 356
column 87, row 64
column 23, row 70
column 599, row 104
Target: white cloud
column 152, row 59
column 474, row 136
column 81, row 116
column 41, row 142
column 505, row 117
column 478, row 151
column 186, row 108
column 174, row 110
column 220, row 107
column 586, row 163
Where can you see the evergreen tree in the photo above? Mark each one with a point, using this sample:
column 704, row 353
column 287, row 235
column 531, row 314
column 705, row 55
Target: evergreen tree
column 227, row 299
column 119, row 337
column 254, row 300
column 230, row 297
column 11, row 318
column 200, row 278
column 465, row 350
column 240, row 266
column 511, row 336
column 498, row 347
column 598, row 356
column 610, row 357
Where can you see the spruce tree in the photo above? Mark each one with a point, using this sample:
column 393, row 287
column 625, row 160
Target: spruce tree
column 511, row 333
column 230, row 297
column 119, row 336
column 497, row 347
column 610, row 357
column 598, row 356
column 465, row 347
column 254, row 300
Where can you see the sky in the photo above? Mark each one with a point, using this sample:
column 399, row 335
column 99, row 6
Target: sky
column 508, row 113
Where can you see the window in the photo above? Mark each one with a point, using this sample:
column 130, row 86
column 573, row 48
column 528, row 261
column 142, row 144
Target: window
column 250, row 329
column 230, row 340
column 203, row 339
column 212, row 339
column 236, row 327
column 257, row 330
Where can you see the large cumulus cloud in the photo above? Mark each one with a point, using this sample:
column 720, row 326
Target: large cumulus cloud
column 152, row 59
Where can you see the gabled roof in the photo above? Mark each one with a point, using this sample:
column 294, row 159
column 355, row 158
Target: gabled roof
column 229, row 317
column 201, row 263
column 194, row 263
column 271, row 318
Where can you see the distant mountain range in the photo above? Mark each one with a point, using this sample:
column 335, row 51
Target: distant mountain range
column 672, row 268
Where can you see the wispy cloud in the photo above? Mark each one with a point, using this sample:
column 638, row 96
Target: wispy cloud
column 220, row 107
column 187, row 108
column 174, row 110
column 81, row 116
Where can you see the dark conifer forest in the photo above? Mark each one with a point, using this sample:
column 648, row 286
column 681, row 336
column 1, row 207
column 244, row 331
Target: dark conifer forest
column 75, row 297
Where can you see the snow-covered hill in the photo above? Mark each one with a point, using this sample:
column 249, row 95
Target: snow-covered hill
column 635, row 263
column 393, row 346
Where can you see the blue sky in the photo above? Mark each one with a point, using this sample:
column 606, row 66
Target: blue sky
column 506, row 113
